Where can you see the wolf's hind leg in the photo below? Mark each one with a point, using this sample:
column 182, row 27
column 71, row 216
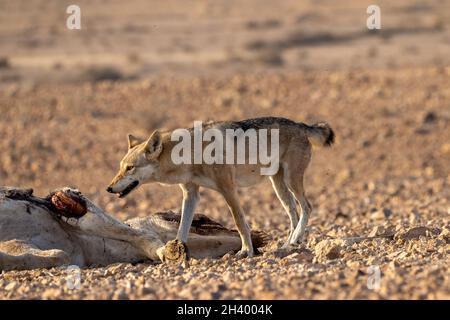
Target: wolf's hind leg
column 299, row 232
column 287, row 200
column 228, row 191
column 295, row 184
column 241, row 224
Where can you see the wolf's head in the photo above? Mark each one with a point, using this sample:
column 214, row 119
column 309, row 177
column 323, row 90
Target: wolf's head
column 139, row 165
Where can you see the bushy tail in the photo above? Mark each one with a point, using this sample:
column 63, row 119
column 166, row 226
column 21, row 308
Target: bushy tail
column 320, row 134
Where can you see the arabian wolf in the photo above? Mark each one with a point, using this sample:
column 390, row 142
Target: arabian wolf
column 152, row 161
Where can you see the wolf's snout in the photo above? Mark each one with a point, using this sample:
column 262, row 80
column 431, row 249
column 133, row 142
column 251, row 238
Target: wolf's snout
column 109, row 189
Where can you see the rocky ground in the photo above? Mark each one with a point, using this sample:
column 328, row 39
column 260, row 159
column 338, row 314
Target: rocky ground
column 381, row 195
column 387, row 178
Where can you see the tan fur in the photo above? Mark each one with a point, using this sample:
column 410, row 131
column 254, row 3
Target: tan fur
column 151, row 161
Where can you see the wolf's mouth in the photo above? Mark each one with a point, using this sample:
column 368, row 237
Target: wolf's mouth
column 128, row 189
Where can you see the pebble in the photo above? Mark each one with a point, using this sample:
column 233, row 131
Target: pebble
column 12, row 286
column 327, row 250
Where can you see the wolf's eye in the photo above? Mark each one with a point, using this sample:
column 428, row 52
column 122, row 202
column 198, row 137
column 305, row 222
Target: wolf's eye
column 129, row 168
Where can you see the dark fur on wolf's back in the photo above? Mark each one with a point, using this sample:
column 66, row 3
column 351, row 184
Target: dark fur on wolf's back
column 257, row 123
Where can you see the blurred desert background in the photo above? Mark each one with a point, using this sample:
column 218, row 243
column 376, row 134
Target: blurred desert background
column 68, row 98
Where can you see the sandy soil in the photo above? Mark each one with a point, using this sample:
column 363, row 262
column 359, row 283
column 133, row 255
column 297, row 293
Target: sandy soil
column 387, row 177
column 216, row 37
column 387, row 173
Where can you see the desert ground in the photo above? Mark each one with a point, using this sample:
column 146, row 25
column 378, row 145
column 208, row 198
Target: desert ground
column 381, row 194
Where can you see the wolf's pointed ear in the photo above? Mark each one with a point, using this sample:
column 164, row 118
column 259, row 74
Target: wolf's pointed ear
column 132, row 141
column 153, row 146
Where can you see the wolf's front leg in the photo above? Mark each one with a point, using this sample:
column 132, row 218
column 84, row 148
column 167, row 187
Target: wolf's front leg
column 190, row 200
column 173, row 249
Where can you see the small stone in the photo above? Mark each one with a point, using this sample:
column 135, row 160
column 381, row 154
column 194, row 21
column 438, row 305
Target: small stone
column 228, row 277
column 378, row 215
column 343, row 175
column 146, row 291
column 373, row 261
column 445, row 148
column 266, row 295
column 353, row 264
column 429, row 117
column 12, row 286
column 51, row 294
column 387, row 212
column 327, row 250
column 114, row 268
column 297, row 258
column 376, row 231
column 282, row 252
column 120, row 295
column 445, row 235
column 205, row 295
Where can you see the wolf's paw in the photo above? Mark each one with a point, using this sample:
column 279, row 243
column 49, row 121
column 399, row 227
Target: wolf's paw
column 174, row 252
column 244, row 253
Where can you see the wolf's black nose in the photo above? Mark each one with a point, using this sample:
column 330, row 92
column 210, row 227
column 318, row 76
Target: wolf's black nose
column 109, row 189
